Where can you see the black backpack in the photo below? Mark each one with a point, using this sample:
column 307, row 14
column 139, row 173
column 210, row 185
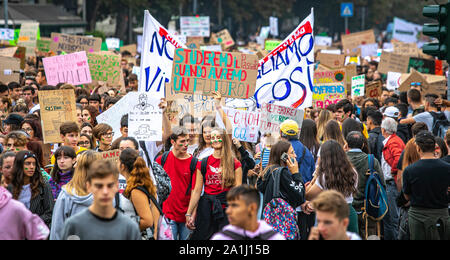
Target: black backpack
column 192, row 167
column 440, row 124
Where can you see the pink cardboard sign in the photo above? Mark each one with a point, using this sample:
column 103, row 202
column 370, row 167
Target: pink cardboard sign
column 70, row 68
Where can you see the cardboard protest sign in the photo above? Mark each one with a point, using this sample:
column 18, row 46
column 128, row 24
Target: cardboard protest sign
column 28, row 37
column 326, row 94
column 285, row 74
column 144, row 117
column 195, row 42
column 331, row 60
column 105, row 67
column 374, row 89
column 273, row 115
column 437, row 84
column 9, row 70
column 71, row 68
column 74, row 43
column 414, row 76
column 422, row 65
column 6, row 34
column 350, row 42
column 43, row 44
column 113, row 115
column 393, row 62
column 57, row 107
column 406, row 49
column 350, row 71
column 112, row 155
column 271, row 44
column 358, row 84
column 20, row 54
column 193, row 26
column 231, row 74
column 132, row 48
column 8, row 52
column 158, row 48
column 329, row 76
column 223, row 38
column 245, row 124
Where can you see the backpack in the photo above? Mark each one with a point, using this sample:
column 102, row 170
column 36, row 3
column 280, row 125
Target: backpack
column 375, row 201
column 192, row 168
column 162, row 179
column 440, row 124
column 279, row 214
column 236, row 236
column 164, row 228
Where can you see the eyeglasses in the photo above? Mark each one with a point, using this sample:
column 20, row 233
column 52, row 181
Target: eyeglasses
column 28, row 130
column 84, row 143
column 109, row 134
column 418, row 84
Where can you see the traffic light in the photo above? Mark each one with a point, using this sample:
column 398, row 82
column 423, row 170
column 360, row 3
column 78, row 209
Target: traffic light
column 440, row 31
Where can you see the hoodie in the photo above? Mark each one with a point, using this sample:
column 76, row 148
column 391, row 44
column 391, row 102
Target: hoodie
column 360, row 162
column 17, row 222
column 67, row 205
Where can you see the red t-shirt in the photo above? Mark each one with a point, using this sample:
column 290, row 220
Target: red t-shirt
column 177, row 204
column 213, row 180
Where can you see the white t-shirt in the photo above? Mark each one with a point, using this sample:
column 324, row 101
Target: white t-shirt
column 205, row 153
column 384, row 165
column 25, row 195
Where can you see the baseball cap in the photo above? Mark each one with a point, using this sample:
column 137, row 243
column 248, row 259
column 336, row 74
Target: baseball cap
column 13, row 119
column 289, row 127
column 391, row 112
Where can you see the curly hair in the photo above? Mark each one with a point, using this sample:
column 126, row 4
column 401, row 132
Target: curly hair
column 336, row 169
column 139, row 174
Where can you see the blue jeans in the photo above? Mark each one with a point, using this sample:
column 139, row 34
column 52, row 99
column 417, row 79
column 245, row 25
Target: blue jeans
column 179, row 230
column 392, row 219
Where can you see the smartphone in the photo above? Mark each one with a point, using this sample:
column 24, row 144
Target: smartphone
column 285, row 157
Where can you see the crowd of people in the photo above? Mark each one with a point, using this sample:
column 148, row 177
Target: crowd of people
column 305, row 182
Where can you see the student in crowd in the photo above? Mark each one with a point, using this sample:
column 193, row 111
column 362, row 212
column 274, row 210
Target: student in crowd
column 188, row 121
column 242, row 152
column 94, row 101
column 374, row 119
column 83, row 101
column 125, row 165
column 392, row 150
column 86, row 142
column 16, row 141
column 332, row 211
column 104, row 134
column 242, row 211
column 87, row 128
column 36, row 148
column 12, row 123
column 359, row 159
column 324, row 117
column 101, row 221
column 63, row 170
column 138, row 190
column 18, row 222
column 74, row 196
column 291, row 183
column 89, row 115
column 178, row 165
column 333, row 132
column 69, row 132
column 28, row 186
column 447, row 142
column 415, row 102
column 402, row 129
column 219, row 172
column 27, row 94
column 289, row 131
column 441, row 148
column 369, row 103
column 79, row 109
column 334, row 171
column 6, row 166
column 15, row 91
column 425, row 185
column 308, row 137
column 33, row 129
column 205, row 148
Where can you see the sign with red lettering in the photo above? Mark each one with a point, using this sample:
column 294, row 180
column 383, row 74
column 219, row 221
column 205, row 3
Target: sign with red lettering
column 231, row 74
column 374, row 89
column 112, row 155
column 327, row 94
column 273, row 115
column 245, row 124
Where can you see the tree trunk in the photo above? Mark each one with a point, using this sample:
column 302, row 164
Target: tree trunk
column 92, row 7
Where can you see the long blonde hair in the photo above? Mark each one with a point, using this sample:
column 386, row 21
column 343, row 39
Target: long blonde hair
column 411, row 155
column 324, row 117
column 77, row 186
column 227, row 159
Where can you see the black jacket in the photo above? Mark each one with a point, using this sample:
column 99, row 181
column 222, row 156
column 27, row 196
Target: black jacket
column 291, row 187
column 247, row 162
column 376, row 143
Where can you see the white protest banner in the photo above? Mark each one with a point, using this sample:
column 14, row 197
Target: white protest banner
column 393, row 80
column 113, row 43
column 245, row 124
column 405, row 31
column 139, row 43
column 145, row 117
column 6, row 34
column 273, row 21
column 193, row 26
column 369, row 50
column 113, row 115
column 272, row 116
column 323, row 41
column 358, row 84
column 158, row 48
column 285, row 75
